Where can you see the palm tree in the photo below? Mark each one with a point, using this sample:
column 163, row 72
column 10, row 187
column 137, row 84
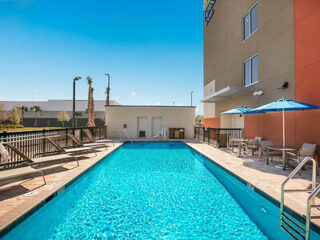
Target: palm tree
column 92, row 107
column 77, row 115
column 23, row 109
column 37, row 110
column 90, row 104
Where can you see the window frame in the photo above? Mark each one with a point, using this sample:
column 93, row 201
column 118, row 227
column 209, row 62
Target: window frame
column 243, row 70
column 244, row 38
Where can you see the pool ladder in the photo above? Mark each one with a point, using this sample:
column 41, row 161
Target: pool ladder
column 288, row 223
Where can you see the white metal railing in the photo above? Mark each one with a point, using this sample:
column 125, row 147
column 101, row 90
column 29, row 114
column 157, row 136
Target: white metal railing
column 315, row 191
column 127, row 135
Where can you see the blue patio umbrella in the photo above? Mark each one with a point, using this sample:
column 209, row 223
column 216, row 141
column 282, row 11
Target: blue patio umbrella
column 238, row 110
column 283, row 105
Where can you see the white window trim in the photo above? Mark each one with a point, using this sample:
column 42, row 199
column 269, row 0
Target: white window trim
column 248, row 12
column 243, row 72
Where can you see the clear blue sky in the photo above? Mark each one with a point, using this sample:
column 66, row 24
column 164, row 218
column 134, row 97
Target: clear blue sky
column 152, row 49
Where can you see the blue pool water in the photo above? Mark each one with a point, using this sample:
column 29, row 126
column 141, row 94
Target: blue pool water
column 154, row 191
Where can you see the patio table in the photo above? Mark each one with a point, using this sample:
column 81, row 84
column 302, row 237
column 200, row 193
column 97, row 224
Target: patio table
column 284, row 151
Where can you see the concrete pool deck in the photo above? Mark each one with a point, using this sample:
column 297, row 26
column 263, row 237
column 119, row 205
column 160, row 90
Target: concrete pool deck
column 18, row 199
column 21, row 198
column 267, row 178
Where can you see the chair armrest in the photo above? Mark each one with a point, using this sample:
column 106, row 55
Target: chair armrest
column 290, row 154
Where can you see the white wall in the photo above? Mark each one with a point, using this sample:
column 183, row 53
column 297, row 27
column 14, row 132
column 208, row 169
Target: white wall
column 232, row 121
column 172, row 117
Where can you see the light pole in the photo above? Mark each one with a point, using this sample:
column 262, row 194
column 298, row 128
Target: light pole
column 191, row 97
column 74, row 102
column 108, row 89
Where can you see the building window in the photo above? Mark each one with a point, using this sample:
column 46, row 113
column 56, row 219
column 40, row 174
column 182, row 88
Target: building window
column 250, row 22
column 251, row 71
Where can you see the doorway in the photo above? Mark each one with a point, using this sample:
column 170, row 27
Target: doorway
column 156, row 126
column 142, row 126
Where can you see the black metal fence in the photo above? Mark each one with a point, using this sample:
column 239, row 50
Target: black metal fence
column 33, row 144
column 217, row 136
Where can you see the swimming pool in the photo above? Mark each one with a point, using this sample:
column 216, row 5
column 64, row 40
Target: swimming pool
column 154, row 191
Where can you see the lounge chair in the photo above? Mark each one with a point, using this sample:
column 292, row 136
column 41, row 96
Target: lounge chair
column 79, row 143
column 307, row 150
column 48, row 160
column 92, row 138
column 20, row 173
column 62, row 150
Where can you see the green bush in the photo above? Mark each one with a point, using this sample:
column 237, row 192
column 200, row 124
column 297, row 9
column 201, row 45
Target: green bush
column 10, row 126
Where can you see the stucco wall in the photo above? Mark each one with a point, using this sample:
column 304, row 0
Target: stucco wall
column 225, row 51
column 307, row 50
column 172, row 117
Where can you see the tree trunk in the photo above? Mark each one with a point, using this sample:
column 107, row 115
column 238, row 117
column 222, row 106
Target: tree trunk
column 22, row 117
column 92, row 109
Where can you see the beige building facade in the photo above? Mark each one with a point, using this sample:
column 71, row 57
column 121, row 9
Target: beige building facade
column 148, row 121
column 268, row 49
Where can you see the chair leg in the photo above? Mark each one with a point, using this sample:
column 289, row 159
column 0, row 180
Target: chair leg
column 43, row 178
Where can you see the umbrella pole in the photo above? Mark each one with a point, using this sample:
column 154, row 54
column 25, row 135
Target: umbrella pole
column 283, row 129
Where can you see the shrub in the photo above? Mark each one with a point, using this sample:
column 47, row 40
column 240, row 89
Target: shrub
column 11, row 126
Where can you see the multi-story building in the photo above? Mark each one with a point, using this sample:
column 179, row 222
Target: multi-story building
column 50, row 109
column 258, row 51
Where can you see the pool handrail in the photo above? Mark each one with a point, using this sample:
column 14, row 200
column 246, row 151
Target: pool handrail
column 310, row 198
column 127, row 135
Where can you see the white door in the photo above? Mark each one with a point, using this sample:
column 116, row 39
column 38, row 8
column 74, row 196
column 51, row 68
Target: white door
column 143, row 125
column 156, row 126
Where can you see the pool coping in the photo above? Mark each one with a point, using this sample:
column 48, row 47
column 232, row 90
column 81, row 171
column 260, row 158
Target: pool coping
column 12, row 223
column 315, row 227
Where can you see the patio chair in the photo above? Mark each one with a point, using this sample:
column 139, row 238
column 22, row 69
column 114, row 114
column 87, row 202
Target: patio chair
column 234, row 143
column 269, row 152
column 251, row 144
column 92, row 139
column 307, row 150
column 263, row 148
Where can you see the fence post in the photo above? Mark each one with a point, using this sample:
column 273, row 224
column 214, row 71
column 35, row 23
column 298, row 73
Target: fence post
column 43, row 141
column 5, row 135
column 81, row 137
column 66, row 137
column 198, row 130
column 203, row 134
column 218, row 135
column 208, row 135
